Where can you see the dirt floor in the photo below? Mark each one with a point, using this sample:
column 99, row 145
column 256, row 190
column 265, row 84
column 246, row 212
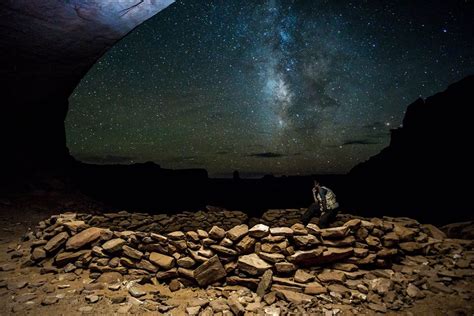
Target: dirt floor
column 23, row 290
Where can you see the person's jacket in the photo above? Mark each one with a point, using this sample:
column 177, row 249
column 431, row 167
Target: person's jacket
column 329, row 197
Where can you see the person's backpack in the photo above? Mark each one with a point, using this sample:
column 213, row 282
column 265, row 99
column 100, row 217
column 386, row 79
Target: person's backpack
column 330, row 197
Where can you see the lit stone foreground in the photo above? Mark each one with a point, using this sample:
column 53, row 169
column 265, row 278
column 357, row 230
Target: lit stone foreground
column 378, row 264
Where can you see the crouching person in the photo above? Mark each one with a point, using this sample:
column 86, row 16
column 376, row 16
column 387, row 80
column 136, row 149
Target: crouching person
column 325, row 206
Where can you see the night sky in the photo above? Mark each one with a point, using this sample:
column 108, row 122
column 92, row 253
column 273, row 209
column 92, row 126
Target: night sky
column 282, row 87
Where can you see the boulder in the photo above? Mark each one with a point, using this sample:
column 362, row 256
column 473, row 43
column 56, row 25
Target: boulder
column 259, row 231
column 265, row 283
column 65, row 257
column 410, row 246
column 281, row 231
column 332, row 276
column 302, row 276
column 209, row 272
column 216, row 233
column 372, row 241
column 110, row 278
column 284, row 267
column 113, row 245
column 294, row 297
column 237, row 232
column 334, row 233
column 353, row 224
column 168, row 274
column 163, row 261
column 235, row 306
column 38, row 254
column 315, row 288
column 252, row 264
column 186, row 262
column 132, row 252
column 84, row 237
column 271, row 257
column 299, row 229
column 404, row 233
column 306, row 240
column 75, row 226
column 176, row 235
column 246, row 244
column 380, row 285
column 318, row 256
column 56, row 242
column 306, row 257
column 414, row 292
column 224, row 250
column 434, row 231
column 146, row 265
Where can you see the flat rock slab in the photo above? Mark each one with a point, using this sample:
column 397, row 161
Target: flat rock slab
column 306, row 240
column 110, row 278
column 380, row 285
column 265, row 283
column 237, row 232
column 259, row 231
column 246, row 244
column 294, row 297
column 163, row 261
column 285, row 267
column 252, row 264
column 334, row 233
column 56, row 242
column 113, row 245
column 136, row 291
column 271, row 257
column 318, row 256
column 224, row 250
column 74, row 226
column 216, row 233
column 84, row 237
column 66, row 257
column 332, row 276
column 315, row 288
column 132, row 252
column 302, row 276
column 209, row 272
column 281, row 231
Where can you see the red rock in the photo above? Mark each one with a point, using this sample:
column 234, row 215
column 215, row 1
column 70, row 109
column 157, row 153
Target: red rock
column 209, row 272
column 84, row 237
column 252, row 264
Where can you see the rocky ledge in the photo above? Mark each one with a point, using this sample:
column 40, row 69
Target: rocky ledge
column 377, row 264
column 162, row 223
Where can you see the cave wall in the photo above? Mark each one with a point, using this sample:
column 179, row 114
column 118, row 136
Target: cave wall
column 46, row 47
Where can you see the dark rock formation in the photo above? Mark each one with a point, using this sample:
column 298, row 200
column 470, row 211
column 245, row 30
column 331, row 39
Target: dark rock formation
column 427, row 167
column 46, row 47
column 142, row 186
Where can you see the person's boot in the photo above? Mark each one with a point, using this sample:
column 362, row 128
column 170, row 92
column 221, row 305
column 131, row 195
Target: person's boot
column 306, row 217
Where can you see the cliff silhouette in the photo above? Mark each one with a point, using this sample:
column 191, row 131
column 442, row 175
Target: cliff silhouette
column 427, row 169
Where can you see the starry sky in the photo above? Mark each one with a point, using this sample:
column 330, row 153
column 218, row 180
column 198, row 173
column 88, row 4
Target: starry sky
column 269, row 86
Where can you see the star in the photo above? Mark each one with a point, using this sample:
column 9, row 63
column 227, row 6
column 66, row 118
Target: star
column 273, row 86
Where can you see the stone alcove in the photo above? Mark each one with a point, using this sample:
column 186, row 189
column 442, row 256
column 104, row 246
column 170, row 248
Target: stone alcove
column 46, row 47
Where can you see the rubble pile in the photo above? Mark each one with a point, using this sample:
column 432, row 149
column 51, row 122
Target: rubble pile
column 164, row 223
column 379, row 264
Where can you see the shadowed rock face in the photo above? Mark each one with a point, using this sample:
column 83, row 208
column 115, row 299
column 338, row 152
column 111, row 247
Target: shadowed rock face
column 46, row 47
column 427, row 167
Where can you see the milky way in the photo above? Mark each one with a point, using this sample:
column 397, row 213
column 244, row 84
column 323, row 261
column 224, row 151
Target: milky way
column 282, row 87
